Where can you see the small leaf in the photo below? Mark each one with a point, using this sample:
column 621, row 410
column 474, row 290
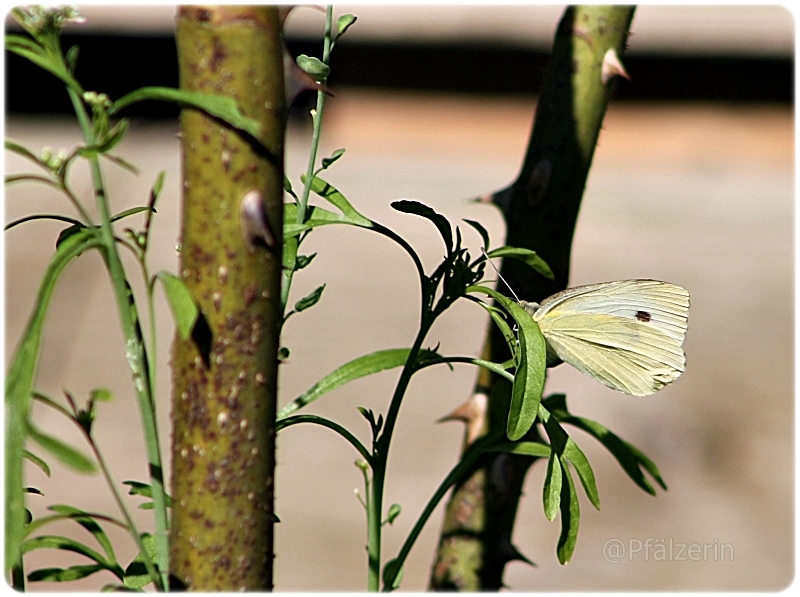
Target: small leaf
column 537, row 449
column 585, row 473
column 71, row 58
column 88, row 523
column 326, row 162
column 37, row 461
column 314, row 67
column 551, row 495
column 66, row 454
column 220, row 106
column 355, row 369
column 33, row 490
column 570, row 520
column 304, row 261
column 62, row 575
column 420, row 209
column 394, row 512
column 283, row 353
column 309, row 300
column 482, row 231
column 143, row 489
column 332, row 195
column 343, row 24
column 130, row 212
column 526, row 256
column 183, row 306
column 101, row 395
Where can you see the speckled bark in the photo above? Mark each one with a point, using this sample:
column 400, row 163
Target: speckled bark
column 540, row 210
column 225, row 378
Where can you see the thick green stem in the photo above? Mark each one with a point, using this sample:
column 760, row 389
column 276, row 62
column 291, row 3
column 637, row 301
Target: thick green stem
column 540, row 210
column 225, row 375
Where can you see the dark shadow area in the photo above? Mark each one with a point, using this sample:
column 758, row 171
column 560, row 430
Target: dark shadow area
column 118, row 64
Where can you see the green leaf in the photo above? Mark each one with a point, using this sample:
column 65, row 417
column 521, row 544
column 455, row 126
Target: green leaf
column 482, row 231
column 37, row 461
column 41, row 57
column 390, row 572
column 585, row 473
column 629, row 457
column 71, row 58
column 88, row 523
column 314, row 67
column 394, row 512
column 181, row 302
column 65, row 544
column 537, row 449
column 326, row 162
column 310, row 300
column 526, row 393
column 551, row 495
column 526, row 256
column 304, row 261
column 570, row 520
column 420, row 209
column 62, row 575
column 360, row 367
column 101, row 395
column 130, row 212
column 333, row 196
column 22, row 151
column 343, row 24
column 219, row 106
column 66, row 454
column 136, row 575
column 315, row 216
column 143, row 489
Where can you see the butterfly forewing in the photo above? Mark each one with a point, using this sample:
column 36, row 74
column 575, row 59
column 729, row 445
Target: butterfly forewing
column 627, row 334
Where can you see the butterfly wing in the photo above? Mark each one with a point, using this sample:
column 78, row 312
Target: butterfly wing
column 627, row 335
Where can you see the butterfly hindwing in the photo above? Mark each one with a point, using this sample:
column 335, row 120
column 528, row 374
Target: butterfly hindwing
column 626, row 334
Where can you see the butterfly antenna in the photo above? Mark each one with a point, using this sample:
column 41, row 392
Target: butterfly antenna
column 500, row 275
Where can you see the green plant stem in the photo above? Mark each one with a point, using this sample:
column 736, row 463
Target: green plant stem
column 129, row 525
column 302, row 204
column 381, row 456
column 134, row 349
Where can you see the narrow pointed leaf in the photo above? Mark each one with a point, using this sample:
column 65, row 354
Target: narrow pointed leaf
column 551, row 495
column 482, row 231
column 220, row 106
column 37, row 461
column 64, row 575
column 526, row 256
column 570, row 519
column 310, row 300
column 65, row 453
column 63, row 543
column 585, row 473
column 537, row 449
column 326, row 162
column 332, row 195
column 91, row 525
column 360, row 367
column 420, row 209
column 526, row 392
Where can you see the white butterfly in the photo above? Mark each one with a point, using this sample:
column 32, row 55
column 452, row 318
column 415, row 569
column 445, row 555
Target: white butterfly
column 627, row 334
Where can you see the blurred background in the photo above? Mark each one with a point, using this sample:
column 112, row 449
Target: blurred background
column 692, row 182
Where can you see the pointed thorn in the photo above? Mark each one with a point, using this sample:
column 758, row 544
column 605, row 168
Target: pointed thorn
column 509, row 552
column 612, row 67
column 473, row 413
